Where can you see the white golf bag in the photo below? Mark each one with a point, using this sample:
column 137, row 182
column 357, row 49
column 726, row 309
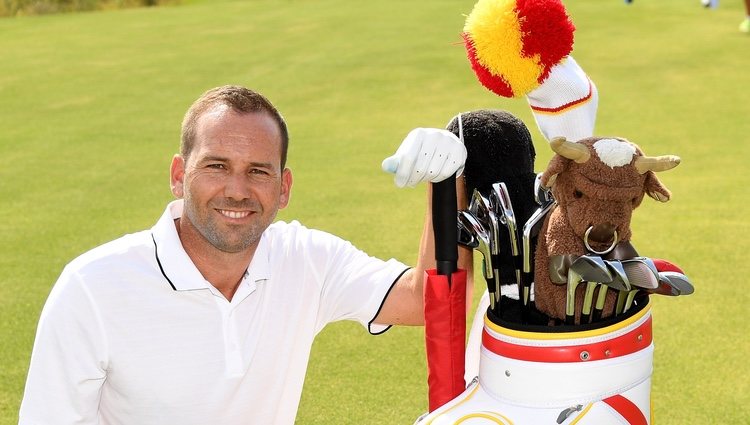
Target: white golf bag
column 595, row 376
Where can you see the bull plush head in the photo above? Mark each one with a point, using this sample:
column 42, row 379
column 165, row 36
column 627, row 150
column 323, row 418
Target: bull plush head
column 599, row 181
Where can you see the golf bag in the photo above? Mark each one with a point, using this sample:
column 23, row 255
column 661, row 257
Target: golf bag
column 584, row 375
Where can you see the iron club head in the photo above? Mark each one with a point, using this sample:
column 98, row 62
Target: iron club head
column 480, row 207
column 500, row 200
column 640, row 273
column 620, row 279
column 678, row 281
column 592, row 268
column 466, row 235
column 482, row 235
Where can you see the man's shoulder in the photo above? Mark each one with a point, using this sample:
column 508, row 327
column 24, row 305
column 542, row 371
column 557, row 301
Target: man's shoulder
column 294, row 232
column 127, row 249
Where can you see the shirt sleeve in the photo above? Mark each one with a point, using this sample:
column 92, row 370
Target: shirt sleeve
column 354, row 284
column 68, row 365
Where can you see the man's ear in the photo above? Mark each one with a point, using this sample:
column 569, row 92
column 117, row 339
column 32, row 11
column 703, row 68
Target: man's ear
column 177, row 176
column 286, row 188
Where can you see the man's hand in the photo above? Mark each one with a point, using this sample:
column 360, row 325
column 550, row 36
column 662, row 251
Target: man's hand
column 426, row 154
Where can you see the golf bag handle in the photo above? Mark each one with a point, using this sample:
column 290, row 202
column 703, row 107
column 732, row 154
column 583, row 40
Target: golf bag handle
column 445, row 226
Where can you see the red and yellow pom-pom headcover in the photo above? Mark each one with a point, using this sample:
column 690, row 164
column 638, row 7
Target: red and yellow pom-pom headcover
column 513, row 44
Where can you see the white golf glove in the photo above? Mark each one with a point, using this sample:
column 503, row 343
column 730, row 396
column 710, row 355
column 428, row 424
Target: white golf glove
column 426, row 154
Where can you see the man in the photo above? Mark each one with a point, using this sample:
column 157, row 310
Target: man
column 209, row 316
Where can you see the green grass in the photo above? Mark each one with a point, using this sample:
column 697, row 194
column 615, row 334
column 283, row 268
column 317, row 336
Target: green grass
column 90, row 106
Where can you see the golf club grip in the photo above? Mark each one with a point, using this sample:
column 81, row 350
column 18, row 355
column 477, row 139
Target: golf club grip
column 445, row 225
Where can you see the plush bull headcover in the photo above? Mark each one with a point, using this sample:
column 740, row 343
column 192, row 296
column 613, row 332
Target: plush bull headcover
column 597, row 183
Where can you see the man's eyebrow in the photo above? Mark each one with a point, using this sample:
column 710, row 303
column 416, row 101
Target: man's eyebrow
column 262, row 164
column 211, row 158
column 216, row 158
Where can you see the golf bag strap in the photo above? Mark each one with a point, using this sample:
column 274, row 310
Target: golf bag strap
column 627, row 409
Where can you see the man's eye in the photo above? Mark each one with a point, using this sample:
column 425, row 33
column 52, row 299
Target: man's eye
column 259, row 171
column 216, row 166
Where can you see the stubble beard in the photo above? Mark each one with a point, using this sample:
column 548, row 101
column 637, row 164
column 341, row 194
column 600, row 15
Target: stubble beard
column 229, row 239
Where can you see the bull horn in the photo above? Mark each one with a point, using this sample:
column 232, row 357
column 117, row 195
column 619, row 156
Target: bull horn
column 656, row 163
column 571, row 150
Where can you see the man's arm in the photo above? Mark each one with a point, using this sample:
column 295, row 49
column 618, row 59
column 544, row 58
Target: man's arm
column 404, row 303
column 67, row 363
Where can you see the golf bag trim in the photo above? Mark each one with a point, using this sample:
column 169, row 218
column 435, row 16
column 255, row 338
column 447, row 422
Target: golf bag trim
column 615, row 343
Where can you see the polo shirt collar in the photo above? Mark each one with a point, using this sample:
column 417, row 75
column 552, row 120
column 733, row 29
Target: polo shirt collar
column 180, row 271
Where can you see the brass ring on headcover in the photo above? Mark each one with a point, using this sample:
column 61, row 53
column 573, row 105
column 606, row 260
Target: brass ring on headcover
column 586, row 242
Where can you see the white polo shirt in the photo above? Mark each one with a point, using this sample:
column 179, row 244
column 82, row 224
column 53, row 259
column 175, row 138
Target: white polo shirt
column 133, row 334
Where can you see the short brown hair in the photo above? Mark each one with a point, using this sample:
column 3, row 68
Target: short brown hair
column 240, row 99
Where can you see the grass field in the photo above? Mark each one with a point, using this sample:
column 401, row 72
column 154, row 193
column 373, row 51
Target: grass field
column 90, row 107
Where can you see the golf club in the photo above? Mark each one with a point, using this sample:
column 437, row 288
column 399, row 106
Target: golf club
column 570, row 301
column 641, row 272
column 482, row 210
column 594, row 271
column 500, row 201
column 482, row 236
column 619, row 282
column 530, row 232
column 679, row 281
column 466, row 236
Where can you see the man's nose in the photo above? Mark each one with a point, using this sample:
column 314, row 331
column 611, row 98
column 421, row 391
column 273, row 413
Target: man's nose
column 238, row 186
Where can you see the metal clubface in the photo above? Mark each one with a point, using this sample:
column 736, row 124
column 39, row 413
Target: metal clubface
column 679, row 281
column 481, row 208
column 466, row 235
column 620, row 279
column 592, row 268
column 542, row 195
column 482, row 244
column 470, row 222
column 531, row 230
column 500, row 201
column 641, row 272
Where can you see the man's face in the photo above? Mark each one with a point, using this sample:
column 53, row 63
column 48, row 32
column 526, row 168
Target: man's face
column 232, row 183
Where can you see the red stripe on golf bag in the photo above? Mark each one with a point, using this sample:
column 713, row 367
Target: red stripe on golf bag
column 628, row 343
column 627, row 409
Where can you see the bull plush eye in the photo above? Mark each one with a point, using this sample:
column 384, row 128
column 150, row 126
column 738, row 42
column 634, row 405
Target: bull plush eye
column 578, row 194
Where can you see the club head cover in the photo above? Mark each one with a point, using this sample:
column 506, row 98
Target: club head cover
column 499, row 149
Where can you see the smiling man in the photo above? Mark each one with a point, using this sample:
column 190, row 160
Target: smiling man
column 209, row 316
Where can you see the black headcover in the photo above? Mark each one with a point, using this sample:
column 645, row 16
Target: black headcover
column 499, row 149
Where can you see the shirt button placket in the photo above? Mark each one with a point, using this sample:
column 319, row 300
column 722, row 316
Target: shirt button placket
column 233, row 356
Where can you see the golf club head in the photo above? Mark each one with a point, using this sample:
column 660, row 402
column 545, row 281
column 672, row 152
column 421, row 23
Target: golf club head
column 466, row 235
column 482, row 235
column 480, row 207
column 531, row 230
column 592, row 268
column 664, row 287
column 678, row 281
column 500, row 201
column 620, row 279
column 640, row 274
column 542, row 195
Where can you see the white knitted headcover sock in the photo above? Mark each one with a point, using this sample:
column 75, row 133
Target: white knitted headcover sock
column 565, row 103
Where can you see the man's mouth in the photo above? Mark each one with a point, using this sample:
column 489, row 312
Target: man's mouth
column 234, row 214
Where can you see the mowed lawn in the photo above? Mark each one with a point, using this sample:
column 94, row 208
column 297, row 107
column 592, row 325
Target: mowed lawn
column 91, row 104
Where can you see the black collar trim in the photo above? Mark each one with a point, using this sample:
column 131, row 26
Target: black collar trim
column 156, row 254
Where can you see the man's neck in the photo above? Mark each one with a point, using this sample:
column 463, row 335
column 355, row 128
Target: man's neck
column 224, row 270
